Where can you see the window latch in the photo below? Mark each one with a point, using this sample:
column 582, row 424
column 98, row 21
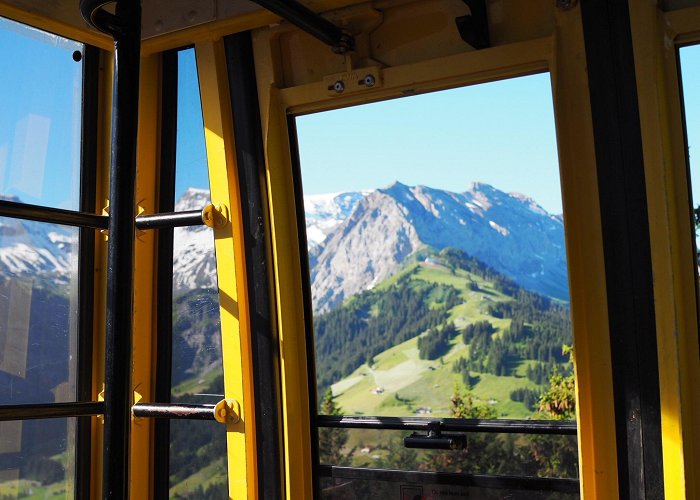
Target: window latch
column 435, row 439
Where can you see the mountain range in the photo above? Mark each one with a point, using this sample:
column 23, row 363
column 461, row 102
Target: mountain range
column 34, row 249
column 356, row 239
column 508, row 231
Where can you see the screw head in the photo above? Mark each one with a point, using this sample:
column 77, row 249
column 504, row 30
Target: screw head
column 369, row 81
column 566, row 4
column 339, row 86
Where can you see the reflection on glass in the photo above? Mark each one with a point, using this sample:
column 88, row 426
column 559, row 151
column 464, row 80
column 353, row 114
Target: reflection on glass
column 485, row 453
column 436, row 253
column 37, row 459
column 38, row 312
column 40, row 98
column 196, row 321
column 198, row 449
column 350, row 489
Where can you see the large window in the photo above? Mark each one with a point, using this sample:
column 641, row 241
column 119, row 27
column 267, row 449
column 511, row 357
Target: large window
column 438, row 284
column 45, row 261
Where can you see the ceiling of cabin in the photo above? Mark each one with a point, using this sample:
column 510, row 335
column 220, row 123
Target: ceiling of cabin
column 166, row 16
column 159, row 16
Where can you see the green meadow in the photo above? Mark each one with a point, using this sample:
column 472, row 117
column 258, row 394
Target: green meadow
column 398, row 383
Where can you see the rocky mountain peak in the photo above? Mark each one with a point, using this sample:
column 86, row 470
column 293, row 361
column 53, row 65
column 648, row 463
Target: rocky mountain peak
column 356, row 239
column 507, row 231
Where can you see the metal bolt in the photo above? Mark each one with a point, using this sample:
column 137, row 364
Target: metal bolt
column 369, row 81
column 566, row 4
column 339, row 86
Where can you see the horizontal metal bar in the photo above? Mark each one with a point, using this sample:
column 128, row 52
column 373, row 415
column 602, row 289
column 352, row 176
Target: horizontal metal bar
column 51, row 410
column 555, row 427
column 170, row 219
column 52, row 215
column 174, row 411
column 529, row 483
column 312, row 23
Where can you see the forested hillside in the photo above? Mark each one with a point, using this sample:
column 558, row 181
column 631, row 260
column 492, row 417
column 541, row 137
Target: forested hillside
column 444, row 319
column 376, row 320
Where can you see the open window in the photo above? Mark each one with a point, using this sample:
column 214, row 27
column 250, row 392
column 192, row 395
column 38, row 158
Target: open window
column 438, row 285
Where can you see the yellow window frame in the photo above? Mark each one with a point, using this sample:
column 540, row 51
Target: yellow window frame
column 562, row 53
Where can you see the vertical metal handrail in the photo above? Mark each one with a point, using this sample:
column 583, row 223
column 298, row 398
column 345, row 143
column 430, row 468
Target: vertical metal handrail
column 125, row 26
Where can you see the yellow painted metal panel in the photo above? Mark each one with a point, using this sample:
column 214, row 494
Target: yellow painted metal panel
column 682, row 26
column 235, row 323
column 486, row 65
column 288, row 296
column 584, row 245
column 671, row 244
column 144, row 329
column 288, row 289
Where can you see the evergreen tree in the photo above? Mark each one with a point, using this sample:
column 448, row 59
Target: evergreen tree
column 331, row 442
column 559, row 402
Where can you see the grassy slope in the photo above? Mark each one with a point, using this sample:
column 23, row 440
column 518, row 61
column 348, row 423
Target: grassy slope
column 410, row 383
column 198, row 383
column 213, row 473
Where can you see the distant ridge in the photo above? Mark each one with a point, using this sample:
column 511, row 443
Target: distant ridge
column 356, row 239
column 509, row 232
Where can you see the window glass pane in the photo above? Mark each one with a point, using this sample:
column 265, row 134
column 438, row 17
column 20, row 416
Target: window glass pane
column 40, row 98
column 690, row 74
column 484, row 453
column 198, row 449
column 370, row 489
column 37, row 459
column 38, row 312
column 436, row 248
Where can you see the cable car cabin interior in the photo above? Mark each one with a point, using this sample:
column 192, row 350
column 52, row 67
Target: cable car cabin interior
column 340, row 249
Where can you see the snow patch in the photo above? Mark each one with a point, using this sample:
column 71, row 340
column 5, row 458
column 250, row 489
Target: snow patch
column 501, row 230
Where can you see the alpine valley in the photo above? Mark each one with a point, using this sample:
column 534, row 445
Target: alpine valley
column 415, row 291
column 357, row 242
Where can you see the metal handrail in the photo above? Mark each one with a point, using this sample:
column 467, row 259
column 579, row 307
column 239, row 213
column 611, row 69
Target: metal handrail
column 52, row 215
column 50, row 410
column 315, row 25
column 551, row 427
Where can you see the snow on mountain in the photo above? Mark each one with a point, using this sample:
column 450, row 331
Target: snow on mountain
column 324, row 212
column 31, row 249
column 34, row 249
column 194, row 265
column 356, row 239
column 509, row 232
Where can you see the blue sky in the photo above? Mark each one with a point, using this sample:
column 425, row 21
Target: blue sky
column 501, row 133
column 690, row 74
column 191, row 155
column 40, row 117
